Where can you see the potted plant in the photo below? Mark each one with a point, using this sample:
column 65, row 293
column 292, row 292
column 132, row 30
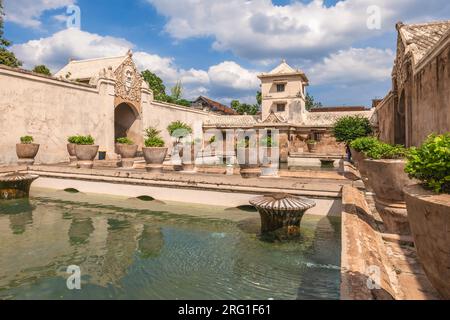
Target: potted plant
column 358, row 147
column 312, row 145
column 27, row 150
column 385, row 166
column 127, row 150
column 85, row 151
column 248, row 158
column 154, row 151
column 428, row 206
column 72, row 141
column 349, row 128
column 179, row 130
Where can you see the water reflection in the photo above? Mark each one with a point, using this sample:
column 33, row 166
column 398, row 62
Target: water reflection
column 138, row 253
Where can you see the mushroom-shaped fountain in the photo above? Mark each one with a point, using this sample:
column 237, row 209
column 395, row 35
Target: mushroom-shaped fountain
column 281, row 211
column 16, row 185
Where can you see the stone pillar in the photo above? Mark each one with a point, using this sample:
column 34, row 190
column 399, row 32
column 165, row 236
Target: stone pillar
column 106, row 87
column 284, row 145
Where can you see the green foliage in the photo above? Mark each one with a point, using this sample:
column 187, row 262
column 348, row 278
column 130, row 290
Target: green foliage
column 268, row 142
column 154, row 142
column 244, row 108
column 350, row 128
column 382, row 150
column 26, row 140
column 259, row 99
column 179, row 129
column 364, row 144
column 42, row 69
column 81, row 140
column 212, row 140
column 6, row 57
column 431, row 163
column 155, row 83
column 246, row 143
column 177, row 91
column 154, row 139
column 310, row 103
column 125, row 141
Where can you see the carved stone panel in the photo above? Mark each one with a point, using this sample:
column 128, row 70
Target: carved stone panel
column 128, row 83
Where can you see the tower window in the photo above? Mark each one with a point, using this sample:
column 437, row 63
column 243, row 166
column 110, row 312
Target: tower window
column 281, row 107
column 281, row 87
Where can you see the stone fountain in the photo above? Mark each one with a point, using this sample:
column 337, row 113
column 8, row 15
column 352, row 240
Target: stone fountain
column 16, row 185
column 281, row 211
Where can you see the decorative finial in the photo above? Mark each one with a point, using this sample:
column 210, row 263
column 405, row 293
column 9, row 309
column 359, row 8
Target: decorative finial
column 130, row 53
column 283, row 60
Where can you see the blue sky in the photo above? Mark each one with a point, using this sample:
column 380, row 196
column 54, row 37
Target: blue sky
column 216, row 48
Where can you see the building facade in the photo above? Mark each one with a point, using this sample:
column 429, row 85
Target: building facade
column 419, row 101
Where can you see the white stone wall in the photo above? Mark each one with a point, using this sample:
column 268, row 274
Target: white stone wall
column 50, row 111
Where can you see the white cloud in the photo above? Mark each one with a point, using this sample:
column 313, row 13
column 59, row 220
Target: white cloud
column 258, row 29
column 231, row 75
column 55, row 51
column 27, row 13
column 351, row 66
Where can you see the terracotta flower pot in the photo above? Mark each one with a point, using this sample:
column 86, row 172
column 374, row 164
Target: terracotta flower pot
column 312, row 147
column 27, row 152
column 85, row 155
column 127, row 151
column 388, row 179
column 154, row 158
column 429, row 217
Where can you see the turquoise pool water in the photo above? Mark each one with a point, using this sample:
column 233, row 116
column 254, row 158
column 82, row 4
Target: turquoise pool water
column 131, row 249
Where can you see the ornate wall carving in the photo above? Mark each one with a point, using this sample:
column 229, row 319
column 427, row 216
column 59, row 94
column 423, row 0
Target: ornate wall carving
column 128, row 83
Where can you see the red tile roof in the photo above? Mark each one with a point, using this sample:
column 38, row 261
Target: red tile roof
column 216, row 106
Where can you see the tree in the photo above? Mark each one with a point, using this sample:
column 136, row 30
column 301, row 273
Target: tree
column 310, row 103
column 177, row 91
column 6, row 57
column 259, row 98
column 156, row 84
column 244, row 108
column 349, row 128
column 42, row 69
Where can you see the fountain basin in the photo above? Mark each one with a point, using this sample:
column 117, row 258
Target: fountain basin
column 16, row 185
column 281, row 211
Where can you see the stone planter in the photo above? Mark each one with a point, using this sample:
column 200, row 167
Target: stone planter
column 72, row 154
column 128, row 153
column 85, row 155
column 358, row 160
column 26, row 153
column 388, row 178
column 312, row 147
column 429, row 217
column 248, row 169
column 154, row 158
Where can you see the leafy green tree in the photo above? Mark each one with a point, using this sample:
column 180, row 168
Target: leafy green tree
column 244, row 108
column 6, row 57
column 310, row 103
column 349, row 128
column 177, row 91
column 259, row 98
column 156, row 84
column 42, row 69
